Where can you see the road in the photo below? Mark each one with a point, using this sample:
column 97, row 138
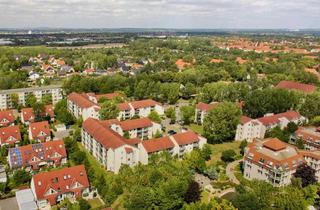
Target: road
column 9, row 204
column 230, row 171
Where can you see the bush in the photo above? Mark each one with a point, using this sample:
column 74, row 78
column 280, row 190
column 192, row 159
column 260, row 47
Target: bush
column 228, row 155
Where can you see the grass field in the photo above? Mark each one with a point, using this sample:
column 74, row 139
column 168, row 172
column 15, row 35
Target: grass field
column 196, row 128
column 95, row 203
column 217, row 150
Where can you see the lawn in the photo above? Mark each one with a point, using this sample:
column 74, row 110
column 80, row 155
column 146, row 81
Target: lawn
column 205, row 196
column 98, row 168
column 196, row 128
column 217, row 149
column 95, row 203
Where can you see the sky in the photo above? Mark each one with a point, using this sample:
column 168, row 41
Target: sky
column 211, row 14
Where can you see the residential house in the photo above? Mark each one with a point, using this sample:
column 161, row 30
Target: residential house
column 290, row 85
column 10, row 135
column 35, row 156
column 181, row 64
column 54, row 91
column 249, row 129
column 27, row 115
column 139, row 108
column 50, row 188
column 39, row 131
column 310, row 136
column 107, row 146
column 7, row 118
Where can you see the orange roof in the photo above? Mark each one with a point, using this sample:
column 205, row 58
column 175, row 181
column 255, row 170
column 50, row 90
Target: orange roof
column 136, row 66
column 124, row 106
column 188, row 137
column 245, row 119
column 10, row 135
column 207, row 107
column 181, row 64
column 49, row 110
column 33, row 154
column 27, row 114
column 240, row 60
column 80, row 100
column 296, row 86
column 39, row 130
column 108, row 96
column 6, row 117
column 128, row 125
column 312, row 71
column 61, row 62
column 105, row 136
column 61, row 181
column 214, row 60
column 274, row 144
column 274, row 119
column 144, row 103
column 159, row 144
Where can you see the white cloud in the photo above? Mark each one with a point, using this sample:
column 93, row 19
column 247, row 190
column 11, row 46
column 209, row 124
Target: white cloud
column 161, row 13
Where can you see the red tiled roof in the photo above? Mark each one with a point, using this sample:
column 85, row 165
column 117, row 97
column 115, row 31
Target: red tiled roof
column 109, row 96
column 159, row 144
column 274, row 144
column 39, row 127
column 296, row 86
column 80, row 100
column 6, row 117
column 10, row 135
column 61, row 181
column 107, row 137
column 245, row 119
column 128, row 125
column 49, row 110
column 240, row 60
column 128, row 150
column 27, row 114
column 188, row 137
column 133, row 141
column 274, row 119
column 124, row 106
column 49, row 151
column 207, row 107
column 215, row 60
column 144, row 103
column 181, row 64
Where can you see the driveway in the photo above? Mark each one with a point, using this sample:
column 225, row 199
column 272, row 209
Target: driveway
column 230, row 171
column 61, row 134
column 9, row 204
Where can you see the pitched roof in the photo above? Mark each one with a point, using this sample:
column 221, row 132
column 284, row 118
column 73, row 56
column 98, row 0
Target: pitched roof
column 216, row 60
column 47, row 151
column 80, row 100
column 49, row 110
column 296, row 86
column 245, row 119
column 61, row 181
column 159, row 144
column 144, row 103
column 207, row 107
column 107, row 137
column 124, row 106
column 6, row 117
column 10, row 135
column 188, row 137
column 128, row 125
column 274, row 144
column 38, row 128
column 109, row 96
column 181, row 64
column 27, row 114
column 274, row 119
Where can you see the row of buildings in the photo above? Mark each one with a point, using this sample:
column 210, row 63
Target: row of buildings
column 112, row 150
column 85, row 105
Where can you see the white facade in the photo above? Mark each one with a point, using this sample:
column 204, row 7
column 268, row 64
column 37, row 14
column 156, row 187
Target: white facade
column 250, row 130
column 38, row 92
column 141, row 112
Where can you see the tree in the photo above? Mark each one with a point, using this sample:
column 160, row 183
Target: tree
column 212, row 172
column 78, row 157
column 292, row 127
column 83, row 204
column 21, row 177
column 300, row 143
column 15, row 100
column 277, row 132
column 187, row 114
column 46, row 99
column 30, row 100
column 307, row 175
column 38, row 111
column 109, row 110
column 242, row 146
column 311, row 106
column 193, row 192
column 228, row 155
column 221, row 122
column 171, row 113
column 62, row 114
column 154, row 117
column 206, row 152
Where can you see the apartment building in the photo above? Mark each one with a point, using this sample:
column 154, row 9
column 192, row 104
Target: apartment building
column 35, row 156
column 139, row 108
column 86, row 105
column 290, row 85
column 249, row 129
column 178, row 144
column 275, row 162
column 27, row 116
column 202, row 110
column 6, row 95
column 142, row 128
column 310, row 137
column 50, row 188
column 39, row 131
column 10, row 135
column 7, row 118
column 107, row 146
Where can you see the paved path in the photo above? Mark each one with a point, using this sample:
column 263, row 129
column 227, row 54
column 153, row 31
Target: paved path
column 9, row 204
column 226, row 191
column 230, row 171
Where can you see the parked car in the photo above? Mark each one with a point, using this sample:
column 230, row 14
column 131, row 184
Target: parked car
column 171, row 132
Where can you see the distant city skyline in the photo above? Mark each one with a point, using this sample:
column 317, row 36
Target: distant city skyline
column 244, row 14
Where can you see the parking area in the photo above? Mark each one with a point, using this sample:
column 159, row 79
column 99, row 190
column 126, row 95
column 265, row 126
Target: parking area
column 9, row 204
